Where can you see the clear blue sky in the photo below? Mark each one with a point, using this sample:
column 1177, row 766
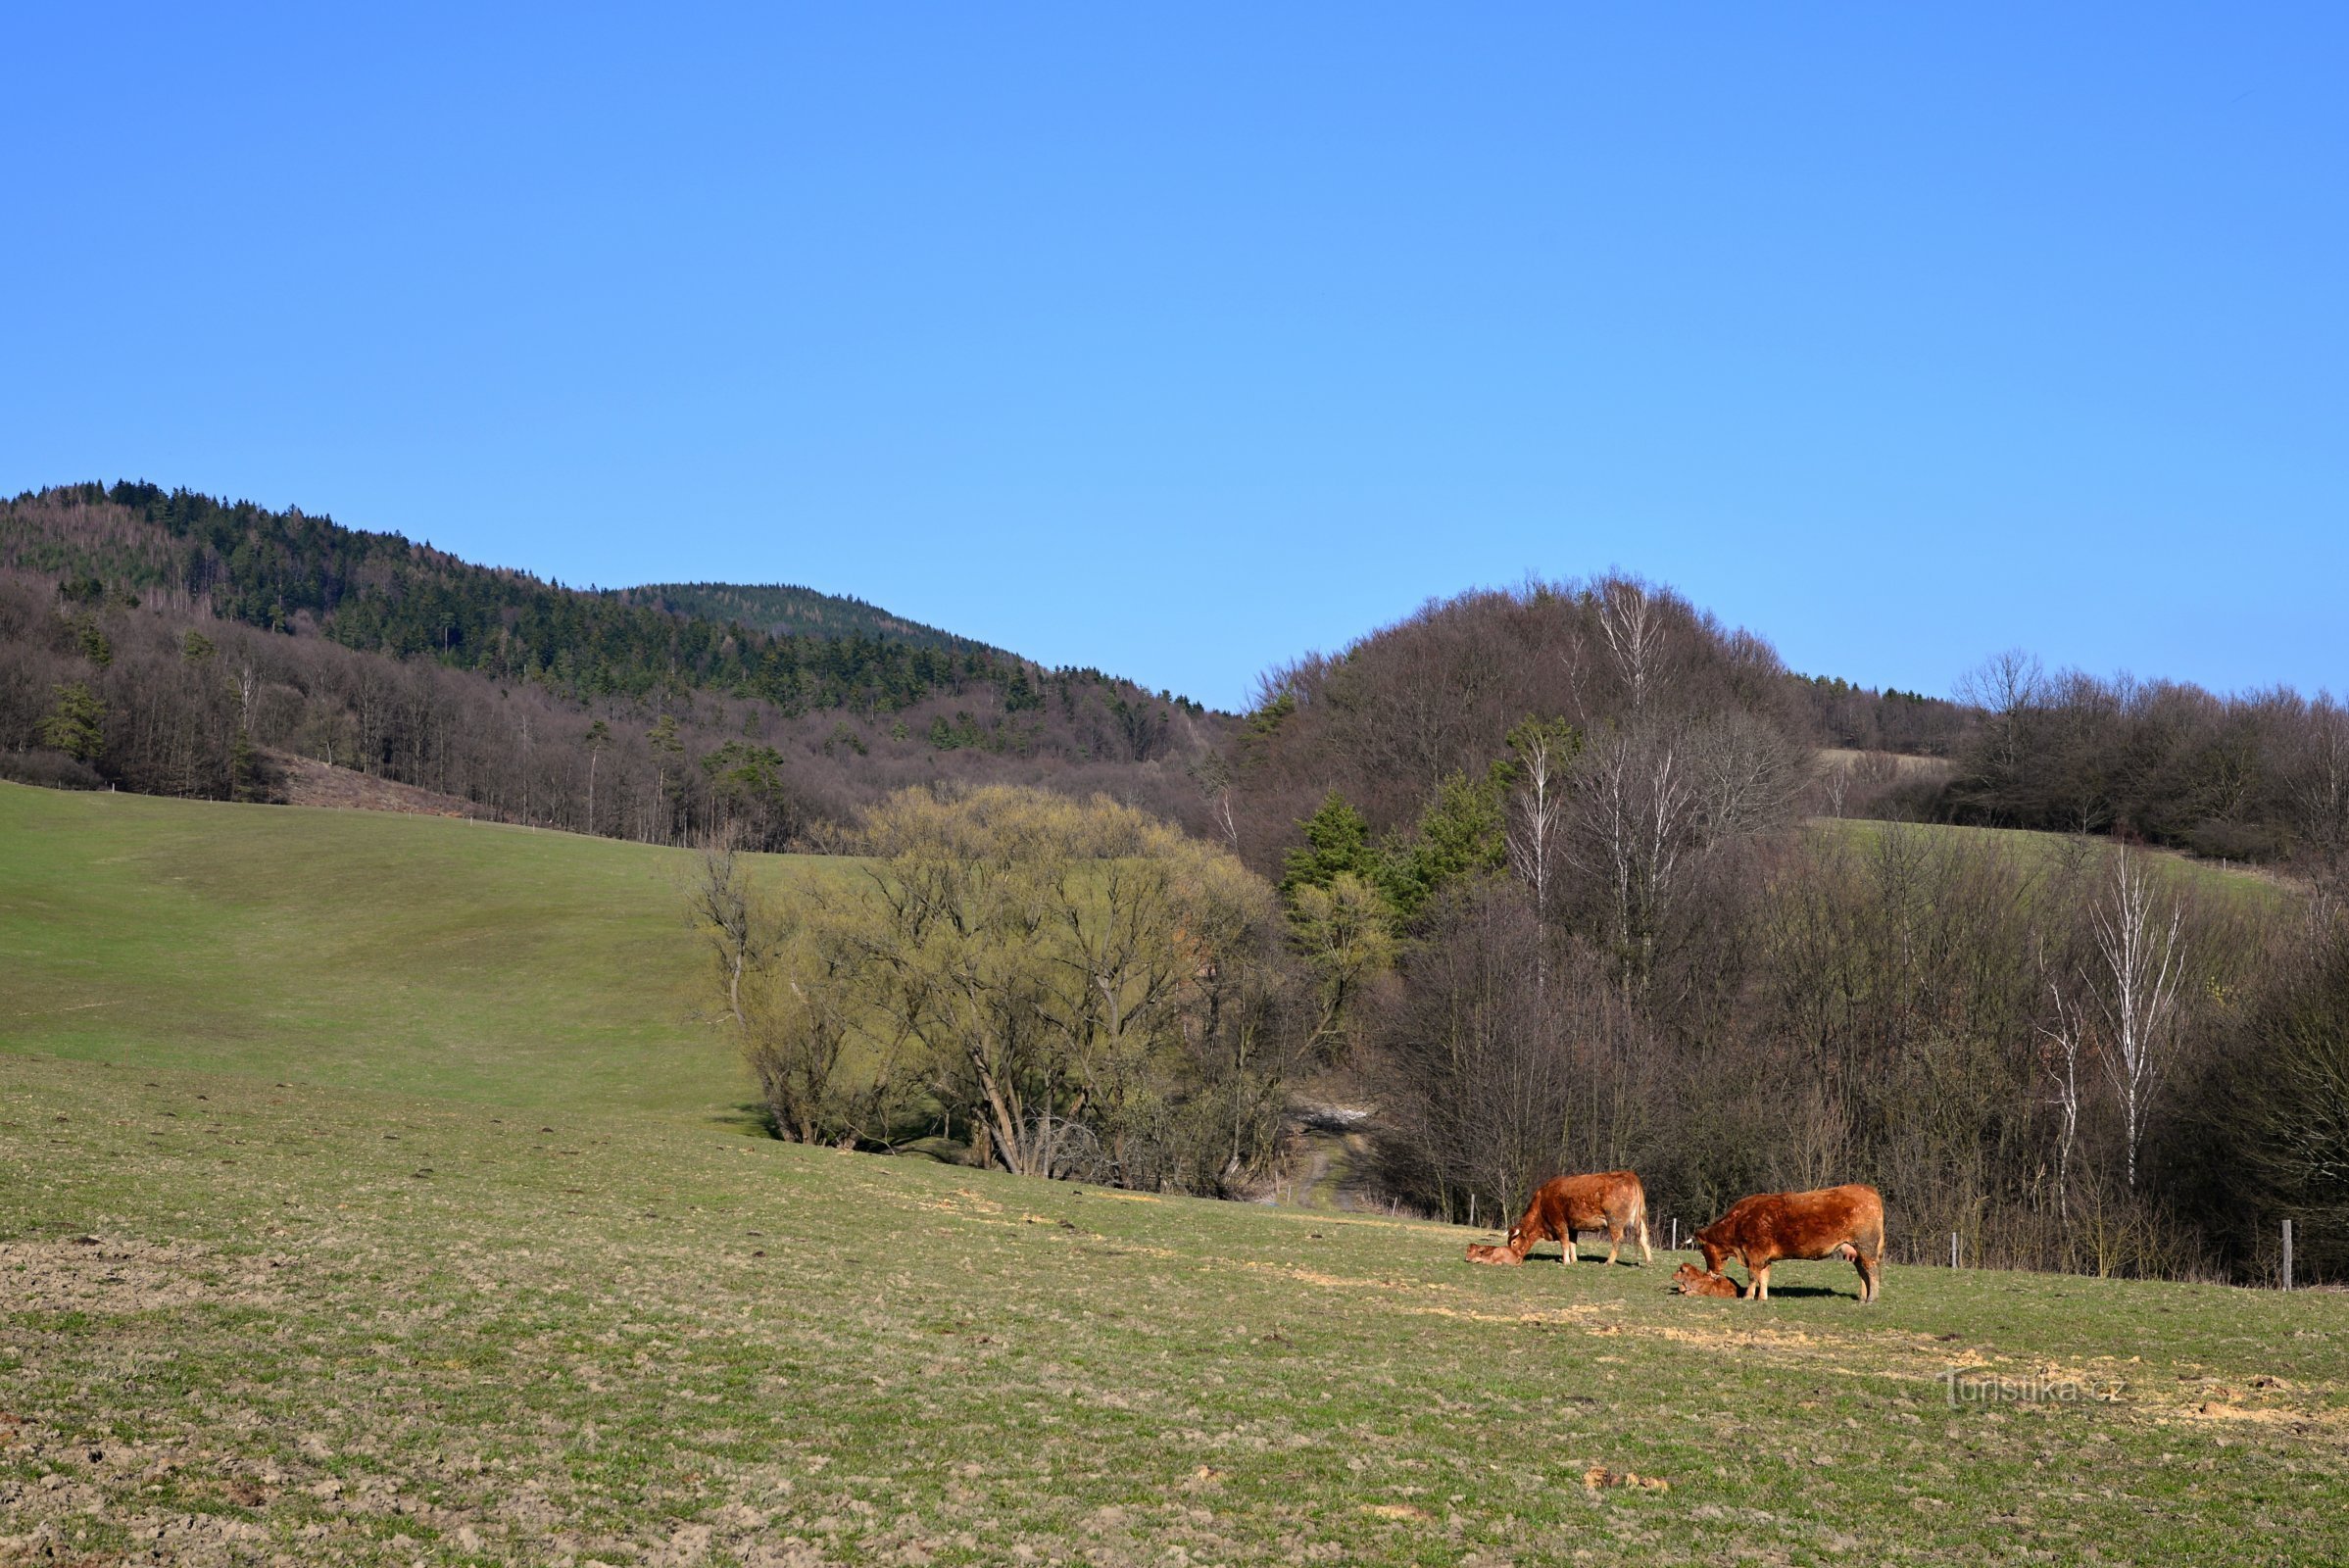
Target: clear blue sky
column 1180, row 339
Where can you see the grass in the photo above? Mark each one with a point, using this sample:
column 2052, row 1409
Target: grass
column 464, row 960
column 435, row 1310
column 2235, row 886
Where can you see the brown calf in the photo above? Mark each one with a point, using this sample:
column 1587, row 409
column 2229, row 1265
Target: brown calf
column 1689, row 1279
column 1610, row 1201
column 1846, row 1222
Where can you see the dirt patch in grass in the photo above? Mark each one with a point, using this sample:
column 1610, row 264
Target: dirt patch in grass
column 110, row 1275
column 307, row 781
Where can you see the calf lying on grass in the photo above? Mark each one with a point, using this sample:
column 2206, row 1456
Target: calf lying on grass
column 1689, row 1279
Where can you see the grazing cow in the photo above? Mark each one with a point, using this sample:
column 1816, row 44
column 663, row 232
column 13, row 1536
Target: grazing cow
column 1689, row 1279
column 1846, row 1222
column 1611, row 1200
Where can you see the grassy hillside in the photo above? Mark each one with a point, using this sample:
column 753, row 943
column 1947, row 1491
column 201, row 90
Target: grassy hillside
column 333, row 1228
column 354, row 1326
column 2234, row 884
column 463, row 960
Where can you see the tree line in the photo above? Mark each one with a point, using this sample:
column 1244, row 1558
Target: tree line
column 169, row 643
column 103, row 688
column 2255, row 776
column 1581, row 915
column 292, row 571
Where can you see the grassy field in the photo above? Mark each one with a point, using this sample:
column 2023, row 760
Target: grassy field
column 2236, row 886
column 347, row 1273
column 464, row 960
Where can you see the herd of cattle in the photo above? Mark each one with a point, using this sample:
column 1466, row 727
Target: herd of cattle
column 1846, row 1222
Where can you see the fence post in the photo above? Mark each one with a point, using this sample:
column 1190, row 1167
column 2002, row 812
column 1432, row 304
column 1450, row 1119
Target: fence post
column 2287, row 1254
column 1472, row 1211
column 1676, row 1235
column 1953, row 1250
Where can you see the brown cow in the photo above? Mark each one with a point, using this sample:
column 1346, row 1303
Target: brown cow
column 1689, row 1279
column 1846, row 1222
column 1610, row 1201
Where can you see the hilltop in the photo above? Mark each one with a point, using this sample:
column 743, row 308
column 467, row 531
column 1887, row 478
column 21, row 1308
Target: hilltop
column 165, row 642
column 782, row 609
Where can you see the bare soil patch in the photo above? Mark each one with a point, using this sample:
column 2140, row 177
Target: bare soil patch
column 111, row 1275
column 306, row 781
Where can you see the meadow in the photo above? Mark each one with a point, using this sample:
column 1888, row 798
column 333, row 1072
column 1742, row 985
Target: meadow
column 369, row 1193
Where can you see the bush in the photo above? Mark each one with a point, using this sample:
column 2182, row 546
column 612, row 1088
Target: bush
column 50, row 769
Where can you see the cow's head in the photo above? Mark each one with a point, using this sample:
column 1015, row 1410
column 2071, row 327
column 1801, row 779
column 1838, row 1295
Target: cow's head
column 1714, row 1248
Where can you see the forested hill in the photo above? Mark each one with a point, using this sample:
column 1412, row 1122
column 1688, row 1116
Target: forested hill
column 381, row 592
column 167, row 642
column 782, row 608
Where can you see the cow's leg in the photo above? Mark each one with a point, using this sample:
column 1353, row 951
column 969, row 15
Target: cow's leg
column 1566, row 1243
column 1870, row 1275
column 1614, row 1240
column 1761, row 1282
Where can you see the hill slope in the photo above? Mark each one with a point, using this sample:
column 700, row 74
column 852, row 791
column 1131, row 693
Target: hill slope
column 160, row 641
column 464, row 960
column 368, row 1194
column 384, row 593
column 395, row 1329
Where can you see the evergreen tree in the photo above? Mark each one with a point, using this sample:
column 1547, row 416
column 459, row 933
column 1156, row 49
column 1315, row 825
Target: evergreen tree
column 75, row 726
column 1462, row 833
column 1336, row 840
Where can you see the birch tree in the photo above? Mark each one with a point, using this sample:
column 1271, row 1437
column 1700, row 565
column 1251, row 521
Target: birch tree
column 2143, row 957
column 1636, row 818
column 1538, row 804
column 1633, row 623
column 2064, row 1037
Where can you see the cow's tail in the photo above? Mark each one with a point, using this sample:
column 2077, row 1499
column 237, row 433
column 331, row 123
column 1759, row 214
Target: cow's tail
column 1640, row 1225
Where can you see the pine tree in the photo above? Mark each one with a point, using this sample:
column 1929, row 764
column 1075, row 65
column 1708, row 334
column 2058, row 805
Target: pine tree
column 75, row 726
column 1336, row 840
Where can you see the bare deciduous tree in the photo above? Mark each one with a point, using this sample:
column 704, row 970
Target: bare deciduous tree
column 2143, row 961
column 1632, row 621
column 2065, row 1032
column 1638, row 818
column 1545, row 750
column 721, row 905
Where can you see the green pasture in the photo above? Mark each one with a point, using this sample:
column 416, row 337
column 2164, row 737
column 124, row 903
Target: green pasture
column 368, row 1195
column 2238, row 887
column 458, row 960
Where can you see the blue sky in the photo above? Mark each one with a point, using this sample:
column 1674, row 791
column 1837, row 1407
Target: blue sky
column 1180, row 339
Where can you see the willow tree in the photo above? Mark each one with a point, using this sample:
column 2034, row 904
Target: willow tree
column 1087, row 990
